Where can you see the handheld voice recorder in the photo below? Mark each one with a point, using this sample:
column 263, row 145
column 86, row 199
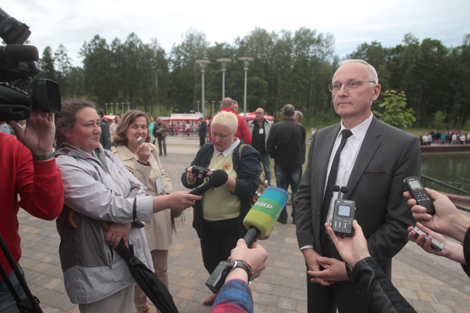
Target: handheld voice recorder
column 436, row 245
column 343, row 213
column 419, row 193
column 343, row 216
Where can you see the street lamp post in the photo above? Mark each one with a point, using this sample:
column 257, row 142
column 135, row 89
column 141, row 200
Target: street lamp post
column 122, row 103
column 223, row 61
column 203, row 69
column 197, row 102
column 213, row 112
column 112, row 108
column 245, row 60
column 106, row 105
column 128, row 106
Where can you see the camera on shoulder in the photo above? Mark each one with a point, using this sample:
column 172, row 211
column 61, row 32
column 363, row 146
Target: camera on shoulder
column 20, row 94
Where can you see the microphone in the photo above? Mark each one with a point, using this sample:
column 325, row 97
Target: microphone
column 217, row 179
column 261, row 218
column 19, row 53
column 140, row 140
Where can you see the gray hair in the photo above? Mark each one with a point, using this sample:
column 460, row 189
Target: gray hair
column 288, row 110
column 372, row 71
column 298, row 116
column 65, row 120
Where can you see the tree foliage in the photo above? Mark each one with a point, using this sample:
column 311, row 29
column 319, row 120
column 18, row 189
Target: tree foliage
column 288, row 67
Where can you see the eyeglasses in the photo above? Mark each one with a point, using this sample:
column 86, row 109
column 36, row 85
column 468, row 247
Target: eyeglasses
column 348, row 86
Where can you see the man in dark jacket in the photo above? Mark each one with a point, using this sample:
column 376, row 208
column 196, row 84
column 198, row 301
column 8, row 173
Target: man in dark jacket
column 105, row 137
column 284, row 146
column 202, row 131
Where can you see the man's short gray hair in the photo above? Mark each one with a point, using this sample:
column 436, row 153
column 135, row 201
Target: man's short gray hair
column 298, row 116
column 372, row 71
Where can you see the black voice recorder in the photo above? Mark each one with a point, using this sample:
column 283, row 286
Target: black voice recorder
column 419, row 193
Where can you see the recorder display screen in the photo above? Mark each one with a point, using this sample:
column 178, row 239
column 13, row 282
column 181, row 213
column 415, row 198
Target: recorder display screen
column 344, row 210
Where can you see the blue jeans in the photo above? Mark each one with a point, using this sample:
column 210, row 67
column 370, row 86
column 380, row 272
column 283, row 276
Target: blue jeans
column 266, row 159
column 284, row 178
column 7, row 302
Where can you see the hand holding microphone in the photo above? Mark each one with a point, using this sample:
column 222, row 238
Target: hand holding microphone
column 143, row 151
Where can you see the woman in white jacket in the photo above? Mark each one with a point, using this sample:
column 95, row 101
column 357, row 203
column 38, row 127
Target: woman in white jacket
column 97, row 187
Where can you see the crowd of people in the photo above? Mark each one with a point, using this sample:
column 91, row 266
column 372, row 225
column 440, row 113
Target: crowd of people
column 107, row 186
column 452, row 137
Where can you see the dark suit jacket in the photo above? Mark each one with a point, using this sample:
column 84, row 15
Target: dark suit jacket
column 386, row 157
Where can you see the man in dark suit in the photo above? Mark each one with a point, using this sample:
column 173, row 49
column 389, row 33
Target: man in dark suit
column 373, row 162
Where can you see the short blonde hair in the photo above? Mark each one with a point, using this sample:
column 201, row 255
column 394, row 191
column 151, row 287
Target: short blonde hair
column 228, row 119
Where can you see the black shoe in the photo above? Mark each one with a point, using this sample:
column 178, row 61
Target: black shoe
column 281, row 221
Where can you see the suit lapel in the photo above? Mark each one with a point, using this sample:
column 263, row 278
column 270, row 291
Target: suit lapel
column 369, row 146
column 325, row 145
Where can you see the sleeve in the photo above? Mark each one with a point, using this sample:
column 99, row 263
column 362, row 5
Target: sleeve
column 235, row 297
column 39, row 184
column 246, row 135
column 304, row 223
column 391, row 237
column 85, row 193
column 271, row 144
column 377, row 289
column 466, row 252
column 248, row 172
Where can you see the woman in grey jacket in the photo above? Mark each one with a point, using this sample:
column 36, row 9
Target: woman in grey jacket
column 97, row 187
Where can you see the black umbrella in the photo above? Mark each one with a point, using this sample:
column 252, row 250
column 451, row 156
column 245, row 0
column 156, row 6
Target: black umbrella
column 147, row 281
column 150, row 284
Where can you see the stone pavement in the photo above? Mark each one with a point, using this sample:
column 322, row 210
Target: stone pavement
column 429, row 283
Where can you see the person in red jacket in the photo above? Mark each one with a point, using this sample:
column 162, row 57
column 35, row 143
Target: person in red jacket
column 243, row 133
column 28, row 169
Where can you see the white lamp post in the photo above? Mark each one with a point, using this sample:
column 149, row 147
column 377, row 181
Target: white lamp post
column 245, row 60
column 203, row 69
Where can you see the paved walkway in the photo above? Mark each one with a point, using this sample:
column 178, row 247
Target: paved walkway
column 429, row 283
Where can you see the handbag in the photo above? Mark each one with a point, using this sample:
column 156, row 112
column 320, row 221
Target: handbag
column 262, row 185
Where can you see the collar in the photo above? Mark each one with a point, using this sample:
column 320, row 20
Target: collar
column 230, row 110
column 228, row 150
column 126, row 154
column 360, row 130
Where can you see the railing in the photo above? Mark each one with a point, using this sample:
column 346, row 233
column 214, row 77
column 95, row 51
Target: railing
column 448, row 186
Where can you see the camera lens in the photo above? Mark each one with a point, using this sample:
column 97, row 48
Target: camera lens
column 12, row 30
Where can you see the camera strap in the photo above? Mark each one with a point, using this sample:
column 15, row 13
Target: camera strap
column 31, row 304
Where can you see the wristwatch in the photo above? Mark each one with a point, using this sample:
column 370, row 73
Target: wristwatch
column 44, row 157
column 235, row 264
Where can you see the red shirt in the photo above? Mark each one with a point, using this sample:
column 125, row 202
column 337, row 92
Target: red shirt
column 39, row 185
column 243, row 132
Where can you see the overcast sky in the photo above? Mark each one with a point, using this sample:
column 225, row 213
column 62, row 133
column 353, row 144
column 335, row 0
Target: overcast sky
column 72, row 22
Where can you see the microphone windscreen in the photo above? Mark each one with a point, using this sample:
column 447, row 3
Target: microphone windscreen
column 264, row 212
column 218, row 178
column 20, row 53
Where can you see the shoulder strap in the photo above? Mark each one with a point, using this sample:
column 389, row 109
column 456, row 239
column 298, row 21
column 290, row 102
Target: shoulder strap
column 240, row 151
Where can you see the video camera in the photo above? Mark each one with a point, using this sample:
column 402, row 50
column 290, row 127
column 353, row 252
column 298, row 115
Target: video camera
column 18, row 66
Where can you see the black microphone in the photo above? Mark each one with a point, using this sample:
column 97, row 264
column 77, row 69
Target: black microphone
column 217, row 179
column 19, row 53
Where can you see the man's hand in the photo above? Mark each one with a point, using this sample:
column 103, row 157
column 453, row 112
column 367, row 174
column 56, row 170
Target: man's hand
column 335, row 270
column 352, row 249
column 255, row 256
column 39, row 133
column 451, row 250
column 447, row 220
column 116, row 232
column 311, row 257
